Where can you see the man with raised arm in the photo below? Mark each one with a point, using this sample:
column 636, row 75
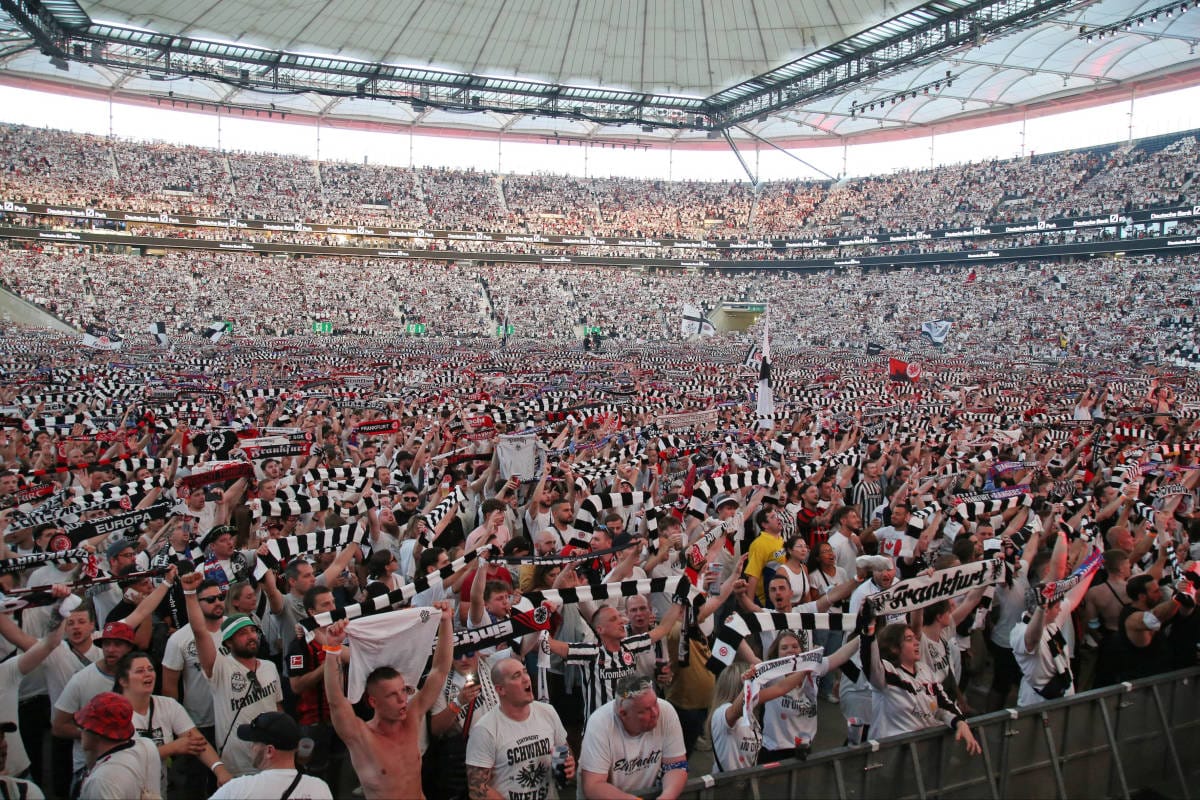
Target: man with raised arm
column 384, row 751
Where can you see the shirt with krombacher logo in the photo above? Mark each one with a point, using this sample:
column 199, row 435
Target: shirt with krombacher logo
column 602, row 668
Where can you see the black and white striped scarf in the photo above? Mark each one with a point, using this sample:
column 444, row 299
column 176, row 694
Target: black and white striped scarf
column 439, row 512
column 741, row 624
column 288, row 547
column 394, row 598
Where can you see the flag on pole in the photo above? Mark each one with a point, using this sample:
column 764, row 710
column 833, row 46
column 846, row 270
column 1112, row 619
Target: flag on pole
column 100, row 339
column 766, row 397
column 694, row 323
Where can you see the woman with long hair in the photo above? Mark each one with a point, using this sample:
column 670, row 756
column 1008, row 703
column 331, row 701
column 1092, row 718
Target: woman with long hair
column 162, row 719
column 795, row 568
column 735, row 742
column 383, row 567
column 907, row 696
column 789, row 704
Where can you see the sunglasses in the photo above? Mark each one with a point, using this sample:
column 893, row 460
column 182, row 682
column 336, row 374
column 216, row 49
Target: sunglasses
column 409, row 499
column 216, row 598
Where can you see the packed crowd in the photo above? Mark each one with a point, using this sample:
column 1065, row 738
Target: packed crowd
column 1102, row 308
column 225, row 570
column 59, row 168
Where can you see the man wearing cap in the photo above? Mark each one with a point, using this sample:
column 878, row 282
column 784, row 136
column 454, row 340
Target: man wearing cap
column 115, row 640
column 273, row 738
column 243, row 685
column 121, row 555
column 120, row 766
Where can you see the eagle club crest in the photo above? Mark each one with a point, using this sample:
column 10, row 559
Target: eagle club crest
column 541, row 615
column 215, row 440
column 424, row 615
column 237, row 681
column 627, row 657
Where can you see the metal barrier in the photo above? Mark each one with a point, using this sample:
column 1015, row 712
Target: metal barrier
column 1113, row 742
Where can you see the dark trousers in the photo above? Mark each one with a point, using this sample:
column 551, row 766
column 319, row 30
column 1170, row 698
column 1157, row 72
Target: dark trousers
column 33, row 717
column 188, row 778
column 691, row 720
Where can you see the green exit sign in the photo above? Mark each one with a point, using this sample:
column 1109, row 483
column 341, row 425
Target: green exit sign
column 415, row 328
column 322, row 327
column 501, row 330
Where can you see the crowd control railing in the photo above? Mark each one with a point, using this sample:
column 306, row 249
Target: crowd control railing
column 1138, row 739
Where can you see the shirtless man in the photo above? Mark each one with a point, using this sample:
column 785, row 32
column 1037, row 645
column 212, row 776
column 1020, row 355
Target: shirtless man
column 384, row 751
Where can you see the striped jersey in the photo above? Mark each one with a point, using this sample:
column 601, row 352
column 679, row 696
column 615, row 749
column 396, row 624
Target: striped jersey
column 602, row 668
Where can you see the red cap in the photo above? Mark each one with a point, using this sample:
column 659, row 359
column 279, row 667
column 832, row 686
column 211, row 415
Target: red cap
column 118, row 631
column 108, row 714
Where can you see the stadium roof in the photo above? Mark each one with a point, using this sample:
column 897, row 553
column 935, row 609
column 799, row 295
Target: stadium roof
column 690, row 72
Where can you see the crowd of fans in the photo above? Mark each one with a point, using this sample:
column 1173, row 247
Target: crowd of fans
column 484, row 485
column 454, row 561
column 1105, row 308
column 60, row 168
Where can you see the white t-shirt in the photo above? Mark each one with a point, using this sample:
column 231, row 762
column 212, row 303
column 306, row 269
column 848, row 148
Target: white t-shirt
column 240, row 695
column 180, row 655
column 164, row 722
column 122, row 775
column 1039, row 666
column 520, row 754
column 83, row 686
column 631, row 763
column 733, row 747
column 11, row 787
column 63, row 663
column 273, row 783
column 793, row 716
column 10, row 681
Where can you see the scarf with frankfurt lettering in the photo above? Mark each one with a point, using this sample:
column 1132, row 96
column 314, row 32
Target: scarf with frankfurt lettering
column 944, row 584
column 769, row 671
column 20, row 563
column 285, row 549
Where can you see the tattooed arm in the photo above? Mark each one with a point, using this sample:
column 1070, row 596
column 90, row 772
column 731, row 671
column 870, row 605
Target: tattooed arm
column 479, row 784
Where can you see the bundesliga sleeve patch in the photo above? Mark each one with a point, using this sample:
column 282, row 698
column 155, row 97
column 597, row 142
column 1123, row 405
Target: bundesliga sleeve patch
column 295, row 662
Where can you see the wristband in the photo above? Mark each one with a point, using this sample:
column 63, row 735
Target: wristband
column 455, row 707
column 954, row 722
column 329, row 649
column 187, row 592
column 216, row 764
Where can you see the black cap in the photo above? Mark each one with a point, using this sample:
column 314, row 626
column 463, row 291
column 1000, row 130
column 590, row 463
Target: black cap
column 273, row 728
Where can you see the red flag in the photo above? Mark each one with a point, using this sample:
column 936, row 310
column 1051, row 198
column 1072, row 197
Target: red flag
column 903, row 371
